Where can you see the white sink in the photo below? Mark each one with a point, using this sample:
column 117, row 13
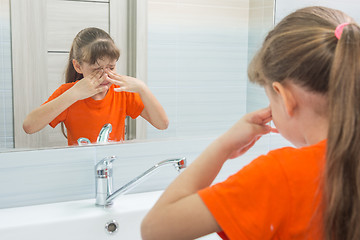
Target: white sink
column 79, row 219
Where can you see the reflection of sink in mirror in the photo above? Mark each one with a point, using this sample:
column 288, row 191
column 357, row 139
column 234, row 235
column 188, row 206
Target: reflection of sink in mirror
column 79, row 219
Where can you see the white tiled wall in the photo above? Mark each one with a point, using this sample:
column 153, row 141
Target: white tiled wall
column 197, row 58
column 350, row 7
column 261, row 20
column 6, row 118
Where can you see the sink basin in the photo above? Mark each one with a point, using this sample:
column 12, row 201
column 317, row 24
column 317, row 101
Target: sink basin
column 79, row 219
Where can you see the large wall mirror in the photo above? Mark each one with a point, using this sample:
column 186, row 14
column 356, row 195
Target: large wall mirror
column 193, row 56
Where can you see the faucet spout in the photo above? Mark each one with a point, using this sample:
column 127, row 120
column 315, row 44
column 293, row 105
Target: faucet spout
column 105, row 198
column 104, row 133
column 102, row 138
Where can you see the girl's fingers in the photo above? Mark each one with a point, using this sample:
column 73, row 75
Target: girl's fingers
column 274, row 130
column 262, row 116
column 102, row 89
column 97, row 74
column 100, row 79
column 96, row 77
column 267, row 120
column 265, row 114
column 120, row 89
column 113, row 75
column 113, row 81
column 93, row 74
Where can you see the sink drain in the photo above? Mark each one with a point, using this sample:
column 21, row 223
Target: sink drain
column 111, row 227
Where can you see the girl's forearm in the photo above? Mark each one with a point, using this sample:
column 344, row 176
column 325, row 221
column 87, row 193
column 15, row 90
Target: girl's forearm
column 43, row 115
column 153, row 112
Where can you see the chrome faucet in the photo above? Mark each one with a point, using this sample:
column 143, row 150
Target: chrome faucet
column 102, row 138
column 104, row 133
column 104, row 178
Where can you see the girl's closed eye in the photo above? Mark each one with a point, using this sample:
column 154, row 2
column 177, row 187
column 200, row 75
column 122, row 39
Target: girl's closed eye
column 95, row 69
column 111, row 67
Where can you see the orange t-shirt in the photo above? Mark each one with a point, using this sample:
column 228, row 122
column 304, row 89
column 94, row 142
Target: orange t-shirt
column 276, row 196
column 86, row 117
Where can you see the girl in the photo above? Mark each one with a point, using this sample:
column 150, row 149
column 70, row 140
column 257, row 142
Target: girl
column 310, row 69
column 94, row 94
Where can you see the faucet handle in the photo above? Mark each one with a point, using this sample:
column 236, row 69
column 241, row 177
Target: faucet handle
column 106, row 161
column 179, row 163
column 103, row 179
column 83, row 141
column 104, row 166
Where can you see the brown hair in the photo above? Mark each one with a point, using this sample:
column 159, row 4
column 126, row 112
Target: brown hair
column 303, row 49
column 89, row 45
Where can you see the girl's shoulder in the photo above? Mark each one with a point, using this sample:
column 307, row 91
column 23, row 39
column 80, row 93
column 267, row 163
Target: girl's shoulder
column 65, row 86
column 307, row 151
column 60, row 90
column 294, row 160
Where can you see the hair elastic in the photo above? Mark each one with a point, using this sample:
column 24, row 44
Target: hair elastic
column 339, row 29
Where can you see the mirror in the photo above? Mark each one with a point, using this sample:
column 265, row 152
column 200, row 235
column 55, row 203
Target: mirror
column 192, row 54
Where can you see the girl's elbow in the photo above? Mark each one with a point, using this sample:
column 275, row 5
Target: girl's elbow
column 146, row 230
column 165, row 124
column 153, row 226
column 28, row 128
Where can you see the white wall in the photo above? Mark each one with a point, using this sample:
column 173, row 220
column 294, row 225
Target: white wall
column 6, row 113
column 197, row 60
column 350, row 7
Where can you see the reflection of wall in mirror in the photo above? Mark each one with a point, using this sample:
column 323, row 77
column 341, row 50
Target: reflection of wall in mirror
column 6, row 115
column 197, row 61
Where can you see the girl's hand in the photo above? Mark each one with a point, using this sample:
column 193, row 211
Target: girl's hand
column 243, row 135
column 90, row 85
column 125, row 83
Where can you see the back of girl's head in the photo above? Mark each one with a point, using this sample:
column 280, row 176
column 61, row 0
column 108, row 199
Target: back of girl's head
column 89, row 45
column 303, row 49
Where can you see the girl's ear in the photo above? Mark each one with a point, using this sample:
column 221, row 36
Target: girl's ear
column 77, row 66
column 287, row 97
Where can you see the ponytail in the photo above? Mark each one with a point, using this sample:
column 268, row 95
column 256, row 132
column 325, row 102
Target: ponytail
column 70, row 74
column 342, row 171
